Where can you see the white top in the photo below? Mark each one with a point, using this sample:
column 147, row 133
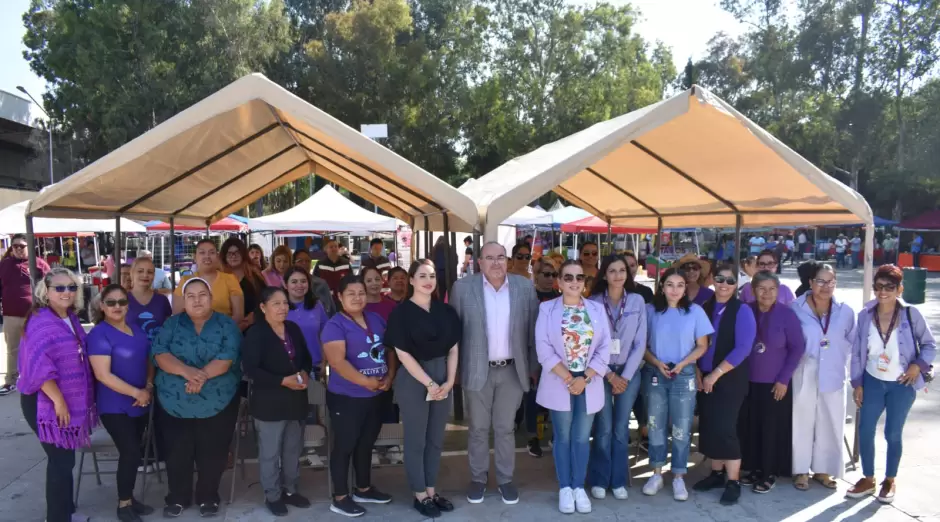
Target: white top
column 68, row 323
column 891, row 369
column 802, row 238
column 496, row 305
column 840, row 245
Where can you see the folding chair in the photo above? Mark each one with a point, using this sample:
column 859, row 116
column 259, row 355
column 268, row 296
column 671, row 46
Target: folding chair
column 316, row 435
column 852, row 450
column 245, row 423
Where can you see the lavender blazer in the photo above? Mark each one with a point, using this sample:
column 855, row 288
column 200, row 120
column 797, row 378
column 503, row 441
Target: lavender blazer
column 906, row 333
column 552, row 392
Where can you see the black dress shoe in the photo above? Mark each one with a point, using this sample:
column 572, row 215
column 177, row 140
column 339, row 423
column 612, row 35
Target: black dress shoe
column 443, row 504
column 297, row 500
column 732, row 493
column 713, row 481
column 277, row 508
column 427, row 507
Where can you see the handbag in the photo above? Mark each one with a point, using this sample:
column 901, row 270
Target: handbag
column 927, row 375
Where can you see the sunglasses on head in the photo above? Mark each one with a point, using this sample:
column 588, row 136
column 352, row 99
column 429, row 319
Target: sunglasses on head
column 64, row 288
column 725, row 280
column 111, row 303
column 691, row 266
column 571, row 277
column 523, row 256
column 553, row 275
column 888, row 287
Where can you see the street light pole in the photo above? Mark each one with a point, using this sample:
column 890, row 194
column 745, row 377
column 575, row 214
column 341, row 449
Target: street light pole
column 24, row 91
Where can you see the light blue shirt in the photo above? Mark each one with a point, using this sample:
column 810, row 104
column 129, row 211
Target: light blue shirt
column 835, row 357
column 672, row 333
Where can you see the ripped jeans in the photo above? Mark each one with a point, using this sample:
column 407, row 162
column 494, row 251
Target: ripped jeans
column 670, row 399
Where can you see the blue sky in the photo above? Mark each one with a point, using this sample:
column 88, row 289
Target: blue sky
column 684, row 25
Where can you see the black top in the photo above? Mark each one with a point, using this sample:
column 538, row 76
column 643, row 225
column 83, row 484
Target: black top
column 468, row 251
column 251, row 294
column 725, row 342
column 547, row 296
column 422, row 334
column 266, row 363
column 645, row 292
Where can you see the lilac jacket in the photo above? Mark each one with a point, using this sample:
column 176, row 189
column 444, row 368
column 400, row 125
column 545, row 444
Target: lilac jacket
column 552, row 392
column 631, row 330
column 906, row 333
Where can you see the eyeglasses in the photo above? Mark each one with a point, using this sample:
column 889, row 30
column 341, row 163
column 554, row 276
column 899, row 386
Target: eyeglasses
column 63, row 288
column 553, row 275
column 770, row 264
column 497, row 259
column 824, row 283
column 568, row 278
column 523, row 256
column 19, row 246
column 111, row 303
column 886, row 287
column 233, row 253
column 589, row 253
column 725, row 280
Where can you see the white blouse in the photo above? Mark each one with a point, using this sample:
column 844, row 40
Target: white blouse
column 890, row 369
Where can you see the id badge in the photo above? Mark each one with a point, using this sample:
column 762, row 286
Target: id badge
column 883, row 362
column 615, row 347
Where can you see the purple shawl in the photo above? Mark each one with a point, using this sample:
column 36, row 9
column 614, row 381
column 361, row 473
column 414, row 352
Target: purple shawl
column 49, row 350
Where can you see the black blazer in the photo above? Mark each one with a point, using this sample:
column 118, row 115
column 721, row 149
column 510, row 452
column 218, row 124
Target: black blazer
column 266, row 363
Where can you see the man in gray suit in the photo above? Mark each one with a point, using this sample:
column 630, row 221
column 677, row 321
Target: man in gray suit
column 497, row 354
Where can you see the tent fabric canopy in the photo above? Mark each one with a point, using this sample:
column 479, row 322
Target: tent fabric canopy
column 528, row 216
column 227, row 224
column 13, row 221
column 691, row 160
column 327, row 211
column 235, row 146
column 926, row 221
column 596, row 225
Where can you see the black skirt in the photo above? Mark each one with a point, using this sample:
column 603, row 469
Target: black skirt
column 765, row 429
column 718, row 418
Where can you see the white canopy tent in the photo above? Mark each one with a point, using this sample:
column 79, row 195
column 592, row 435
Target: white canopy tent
column 689, row 161
column 13, row 221
column 326, row 211
column 528, row 216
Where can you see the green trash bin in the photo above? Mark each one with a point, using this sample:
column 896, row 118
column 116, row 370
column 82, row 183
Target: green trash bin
column 915, row 285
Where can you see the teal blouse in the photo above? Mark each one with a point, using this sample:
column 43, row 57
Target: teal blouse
column 220, row 339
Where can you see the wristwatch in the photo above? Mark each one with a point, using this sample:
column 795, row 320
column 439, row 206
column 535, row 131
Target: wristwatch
column 430, row 383
column 587, row 380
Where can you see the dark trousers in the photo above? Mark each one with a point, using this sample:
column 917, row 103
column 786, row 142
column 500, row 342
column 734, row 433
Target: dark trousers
column 204, row 442
column 355, row 423
column 126, row 432
column 424, row 422
column 59, row 465
column 765, row 431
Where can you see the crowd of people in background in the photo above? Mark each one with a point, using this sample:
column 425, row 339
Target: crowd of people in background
column 578, row 341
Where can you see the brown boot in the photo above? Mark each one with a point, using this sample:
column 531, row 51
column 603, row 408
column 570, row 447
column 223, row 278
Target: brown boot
column 886, row 495
column 862, row 488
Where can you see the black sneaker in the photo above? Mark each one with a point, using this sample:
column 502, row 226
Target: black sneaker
column 277, row 508
column 296, row 500
column 208, row 509
column 509, row 493
column 714, row 480
column 732, row 493
column 140, row 508
column 172, row 510
column 534, row 448
column 127, row 514
column 443, row 504
column 427, row 508
column 751, row 478
column 347, row 507
column 7, row 389
column 371, row 496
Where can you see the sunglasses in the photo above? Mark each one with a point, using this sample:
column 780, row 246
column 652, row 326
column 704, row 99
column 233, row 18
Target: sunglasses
column 568, row 278
column 553, row 275
column 19, row 247
column 523, row 256
column 111, row 303
column 767, row 265
column 588, row 253
column 62, row 288
column 688, row 267
column 888, row 287
column 725, row 280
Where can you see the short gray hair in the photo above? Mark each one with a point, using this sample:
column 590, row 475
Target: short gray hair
column 764, row 275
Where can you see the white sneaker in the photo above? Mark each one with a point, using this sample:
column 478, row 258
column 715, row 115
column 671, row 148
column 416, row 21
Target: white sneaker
column 620, row 493
column 582, row 501
column 653, row 485
column 566, row 501
column 678, row 489
column 598, row 492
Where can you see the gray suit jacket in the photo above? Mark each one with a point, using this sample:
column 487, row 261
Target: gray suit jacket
column 467, row 298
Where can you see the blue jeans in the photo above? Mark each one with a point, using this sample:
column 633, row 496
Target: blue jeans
column 670, row 399
column 878, row 396
column 609, row 454
column 572, row 433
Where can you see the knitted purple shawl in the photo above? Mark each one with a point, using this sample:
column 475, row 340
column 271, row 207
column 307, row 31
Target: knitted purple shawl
column 49, row 350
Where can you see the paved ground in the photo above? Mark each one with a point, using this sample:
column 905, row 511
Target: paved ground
column 22, row 466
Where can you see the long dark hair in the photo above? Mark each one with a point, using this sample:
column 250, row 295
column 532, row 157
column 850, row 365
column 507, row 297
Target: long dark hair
column 659, row 300
column 97, row 305
column 252, row 272
column 256, row 246
column 310, row 299
column 413, row 269
column 600, row 283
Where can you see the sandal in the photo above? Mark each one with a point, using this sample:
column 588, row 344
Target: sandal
column 826, row 481
column 801, row 482
column 765, row 485
column 750, row 479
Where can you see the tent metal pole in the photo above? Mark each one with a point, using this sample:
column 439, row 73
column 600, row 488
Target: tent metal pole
column 173, row 253
column 476, row 251
column 610, row 245
column 31, row 250
column 97, row 252
column 118, row 250
column 78, row 253
column 659, row 249
column 738, row 221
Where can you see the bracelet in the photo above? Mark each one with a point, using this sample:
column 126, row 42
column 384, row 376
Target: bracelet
column 719, row 370
column 149, row 386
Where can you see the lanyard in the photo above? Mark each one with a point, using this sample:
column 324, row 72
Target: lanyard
column 288, row 346
column 761, row 319
column 367, row 329
column 610, row 315
column 825, row 327
column 885, row 336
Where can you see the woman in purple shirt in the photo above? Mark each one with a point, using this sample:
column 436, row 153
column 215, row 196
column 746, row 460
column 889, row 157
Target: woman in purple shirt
column 767, row 262
column 696, row 274
column 146, row 308
column 765, row 421
column 306, row 311
column 355, row 395
column 118, row 352
column 723, row 379
column 626, row 315
column 375, row 301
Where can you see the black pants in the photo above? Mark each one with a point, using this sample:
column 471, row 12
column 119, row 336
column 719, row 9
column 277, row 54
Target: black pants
column 126, row 432
column 765, row 431
column 718, row 416
column 204, row 442
column 355, row 423
column 59, row 465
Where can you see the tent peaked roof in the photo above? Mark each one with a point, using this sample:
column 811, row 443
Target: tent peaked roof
column 691, row 160
column 328, row 211
column 228, row 150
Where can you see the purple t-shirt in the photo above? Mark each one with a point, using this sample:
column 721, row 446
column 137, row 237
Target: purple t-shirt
column 129, row 355
column 383, row 308
column 364, row 350
column 311, row 324
column 149, row 317
column 703, row 295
